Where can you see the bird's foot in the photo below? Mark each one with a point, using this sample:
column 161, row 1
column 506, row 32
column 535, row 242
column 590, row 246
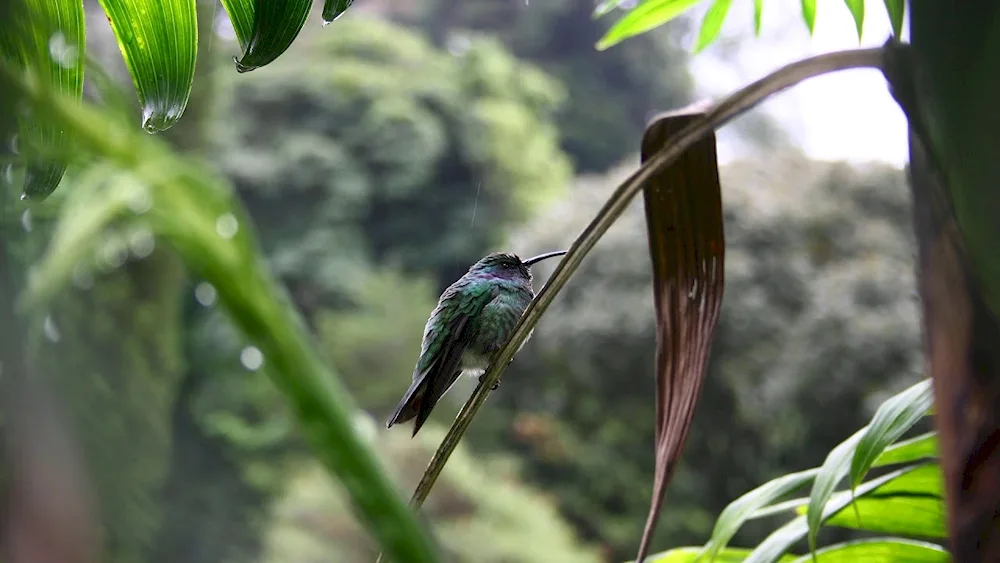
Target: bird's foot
column 493, row 387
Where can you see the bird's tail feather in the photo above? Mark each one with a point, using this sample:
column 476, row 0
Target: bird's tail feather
column 409, row 405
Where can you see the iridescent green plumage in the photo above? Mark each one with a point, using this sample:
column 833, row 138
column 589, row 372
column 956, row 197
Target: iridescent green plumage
column 472, row 320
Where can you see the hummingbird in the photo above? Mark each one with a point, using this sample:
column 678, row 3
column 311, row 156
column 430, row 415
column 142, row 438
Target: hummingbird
column 472, row 320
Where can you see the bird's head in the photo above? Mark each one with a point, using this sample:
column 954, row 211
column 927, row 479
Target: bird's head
column 508, row 265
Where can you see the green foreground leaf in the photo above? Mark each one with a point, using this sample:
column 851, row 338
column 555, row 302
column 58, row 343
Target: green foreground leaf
column 779, row 542
column 893, row 419
column 809, row 14
column 856, row 454
column 857, row 9
column 743, row 509
column 159, row 42
column 880, row 550
column 712, row 23
column 241, row 16
column 692, row 555
column 758, row 8
column 912, row 505
column 920, row 447
column 644, row 17
column 48, row 37
column 275, row 26
column 333, row 9
column 895, row 9
column 144, row 186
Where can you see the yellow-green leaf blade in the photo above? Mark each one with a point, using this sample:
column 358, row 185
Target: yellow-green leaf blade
column 758, row 8
column 159, row 42
column 809, row 14
column 49, row 38
column 711, row 24
column 857, row 9
column 743, row 508
column 693, row 555
column 241, row 16
column 921, row 447
column 892, row 419
column 333, row 9
column 896, row 8
column 834, row 468
column 275, row 26
column 645, row 16
column 880, row 550
column 782, row 539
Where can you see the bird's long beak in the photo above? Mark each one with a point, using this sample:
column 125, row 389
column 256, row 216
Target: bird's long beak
column 541, row 257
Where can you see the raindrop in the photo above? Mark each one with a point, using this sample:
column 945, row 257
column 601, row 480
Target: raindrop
column 24, row 196
column 82, row 278
column 694, row 290
column 251, row 358
column 114, row 253
column 8, row 174
column 26, row 220
column 140, row 200
column 226, row 225
column 61, row 51
column 205, row 294
column 50, row 329
column 14, row 144
column 458, row 45
column 141, row 243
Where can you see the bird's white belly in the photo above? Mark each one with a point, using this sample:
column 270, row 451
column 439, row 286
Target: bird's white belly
column 473, row 364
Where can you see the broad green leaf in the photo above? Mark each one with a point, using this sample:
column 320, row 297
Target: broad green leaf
column 910, row 505
column 241, row 16
column 758, row 8
column 921, row 447
column 712, row 23
column 779, row 542
column 692, row 555
column 904, row 516
column 333, row 9
column 857, row 8
column 193, row 210
column 895, row 8
column 645, row 16
column 741, row 509
column 880, row 550
column 275, row 26
column 892, row 419
column 834, row 469
column 47, row 37
column 809, row 14
column 159, row 42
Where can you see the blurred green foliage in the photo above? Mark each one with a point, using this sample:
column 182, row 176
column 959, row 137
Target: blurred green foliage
column 612, row 95
column 426, row 173
column 480, row 510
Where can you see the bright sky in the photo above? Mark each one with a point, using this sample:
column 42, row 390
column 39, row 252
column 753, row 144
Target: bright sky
column 848, row 115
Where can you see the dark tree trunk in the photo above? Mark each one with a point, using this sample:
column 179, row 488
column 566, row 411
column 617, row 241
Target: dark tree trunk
column 955, row 168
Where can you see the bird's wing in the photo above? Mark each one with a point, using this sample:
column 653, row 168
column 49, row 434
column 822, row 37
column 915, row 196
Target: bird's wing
column 446, row 337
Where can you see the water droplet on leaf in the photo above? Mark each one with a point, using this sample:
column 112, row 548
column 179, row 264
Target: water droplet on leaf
column 50, row 329
column 61, row 51
column 140, row 199
column 141, row 243
column 205, row 294
column 227, row 226
column 113, row 253
column 252, row 358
